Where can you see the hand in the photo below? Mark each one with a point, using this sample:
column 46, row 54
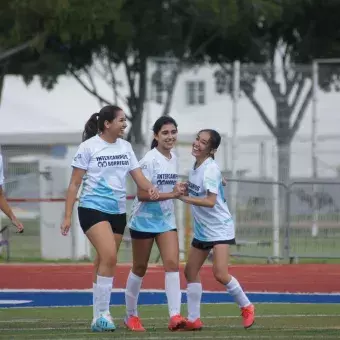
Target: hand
column 153, row 193
column 184, row 186
column 18, row 224
column 179, row 190
column 224, row 181
column 65, row 226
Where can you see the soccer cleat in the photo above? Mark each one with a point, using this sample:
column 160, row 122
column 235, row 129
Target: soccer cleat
column 248, row 315
column 105, row 323
column 134, row 324
column 176, row 322
column 196, row 325
column 94, row 327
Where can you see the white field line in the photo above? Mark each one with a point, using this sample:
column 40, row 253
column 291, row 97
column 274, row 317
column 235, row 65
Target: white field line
column 211, row 327
column 211, row 317
column 187, row 336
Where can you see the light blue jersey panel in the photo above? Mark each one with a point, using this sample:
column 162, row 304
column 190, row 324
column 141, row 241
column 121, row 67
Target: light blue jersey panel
column 156, row 217
column 101, row 198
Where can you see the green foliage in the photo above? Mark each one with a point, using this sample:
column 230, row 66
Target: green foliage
column 72, row 34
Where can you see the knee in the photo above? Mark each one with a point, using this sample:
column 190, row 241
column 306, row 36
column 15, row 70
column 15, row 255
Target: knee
column 171, row 265
column 108, row 260
column 139, row 269
column 221, row 275
column 190, row 275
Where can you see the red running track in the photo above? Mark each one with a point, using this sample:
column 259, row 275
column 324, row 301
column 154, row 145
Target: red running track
column 303, row 278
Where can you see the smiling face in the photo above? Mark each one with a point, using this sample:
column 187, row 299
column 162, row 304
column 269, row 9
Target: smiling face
column 201, row 148
column 166, row 137
column 116, row 128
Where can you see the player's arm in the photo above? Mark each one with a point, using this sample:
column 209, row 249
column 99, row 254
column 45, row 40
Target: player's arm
column 143, row 183
column 72, row 191
column 208, row 201
column 143, row 195
column 80, row 165
column 4, row 206
column 142, row 178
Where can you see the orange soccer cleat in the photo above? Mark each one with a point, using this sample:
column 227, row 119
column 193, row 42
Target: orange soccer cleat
column 248, row 315
column 134, row 324
column 176, row 322
column 196, row 325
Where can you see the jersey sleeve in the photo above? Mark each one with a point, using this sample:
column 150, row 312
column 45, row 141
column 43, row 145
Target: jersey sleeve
column 82, row 157
column 134, row 164
column 212, row 179
column 146, row 165
column 1, row 171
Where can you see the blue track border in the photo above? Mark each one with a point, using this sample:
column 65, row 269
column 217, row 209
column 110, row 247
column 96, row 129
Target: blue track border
column 10, row 299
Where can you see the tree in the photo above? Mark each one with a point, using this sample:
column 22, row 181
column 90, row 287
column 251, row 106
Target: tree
column 28, row 25
column 105, row 37
column 87, row 40
column 298, row 31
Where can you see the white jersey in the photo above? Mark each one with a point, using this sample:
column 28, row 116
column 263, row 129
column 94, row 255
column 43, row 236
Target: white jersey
column 106, row 165
column 1, row 170
column 156, row 217
column 210, row 224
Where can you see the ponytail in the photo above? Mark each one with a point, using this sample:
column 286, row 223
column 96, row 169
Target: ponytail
column 91, row 127
column 154, row 143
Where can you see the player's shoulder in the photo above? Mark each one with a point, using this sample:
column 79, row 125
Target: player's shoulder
column 90, row 143
column 124, row 143
column 149, row 157
column 211, row 165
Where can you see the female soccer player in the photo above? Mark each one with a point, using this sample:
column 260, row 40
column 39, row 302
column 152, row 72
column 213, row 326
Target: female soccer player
column 156, row 221
column 213, row 229
column 4, row 206
column 103, row 161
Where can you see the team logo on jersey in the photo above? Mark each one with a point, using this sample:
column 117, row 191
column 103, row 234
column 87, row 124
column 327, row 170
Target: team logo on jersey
column 194, row 189
column 167, row 179
column 77, row 157
column 112, row 160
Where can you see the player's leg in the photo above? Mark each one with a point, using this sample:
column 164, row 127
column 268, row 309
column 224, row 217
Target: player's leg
column 102, row 238
column 198, row 253
column 220, row 270
column 169, row 250
column 118, row 223
column 118, row 240
column 141, row 250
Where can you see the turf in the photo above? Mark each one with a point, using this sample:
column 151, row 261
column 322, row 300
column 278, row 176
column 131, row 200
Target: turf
column 222, row 321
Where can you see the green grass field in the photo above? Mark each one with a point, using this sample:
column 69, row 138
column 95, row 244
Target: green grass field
column 222, row 321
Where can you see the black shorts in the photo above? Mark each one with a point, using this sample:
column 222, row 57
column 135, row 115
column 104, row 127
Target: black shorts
column 142, row 235
column 90, row 217
column 206, row 245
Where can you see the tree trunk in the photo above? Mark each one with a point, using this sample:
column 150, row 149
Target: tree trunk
column 283, row 159
column 137, row 139
column 2, row 80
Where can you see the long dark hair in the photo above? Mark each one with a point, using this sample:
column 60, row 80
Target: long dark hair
column 214, row 141
column 164, row 120
column 96, row 122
